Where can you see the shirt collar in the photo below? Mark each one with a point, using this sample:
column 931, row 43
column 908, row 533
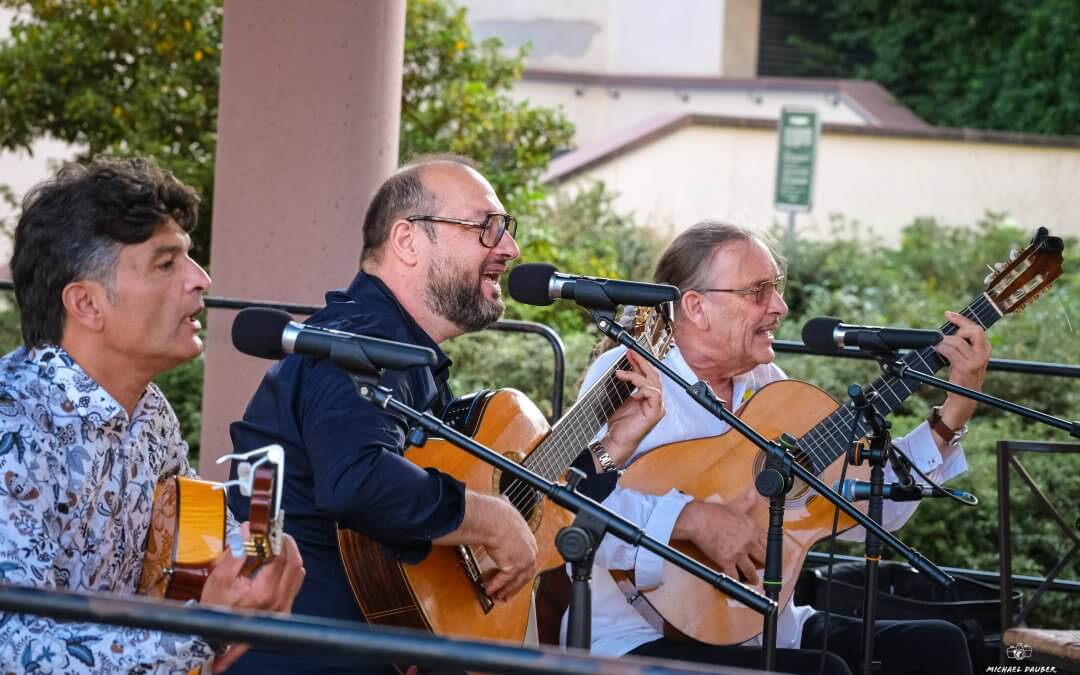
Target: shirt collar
column 739, row 383
column 82, row 394
column 366, row 288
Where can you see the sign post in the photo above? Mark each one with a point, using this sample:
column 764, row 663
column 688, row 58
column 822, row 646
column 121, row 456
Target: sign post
column 799, row 129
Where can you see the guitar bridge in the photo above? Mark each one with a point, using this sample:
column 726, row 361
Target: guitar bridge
column 472, row 570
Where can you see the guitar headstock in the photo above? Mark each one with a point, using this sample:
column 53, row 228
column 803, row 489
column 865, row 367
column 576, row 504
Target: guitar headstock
column 1028, row 273
column 653, row 327
column 260, row 475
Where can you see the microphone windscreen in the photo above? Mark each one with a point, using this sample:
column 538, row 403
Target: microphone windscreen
column 817, row 334
column 256, row 331
column 528, row 283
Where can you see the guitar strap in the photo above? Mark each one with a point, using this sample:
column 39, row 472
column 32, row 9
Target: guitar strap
column 634, row 597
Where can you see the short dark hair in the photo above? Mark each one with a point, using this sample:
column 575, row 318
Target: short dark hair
column 73, row 226
column 401, row 195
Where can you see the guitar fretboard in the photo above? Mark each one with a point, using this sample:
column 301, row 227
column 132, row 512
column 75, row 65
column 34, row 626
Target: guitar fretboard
column 828, row 439
column 579, row 426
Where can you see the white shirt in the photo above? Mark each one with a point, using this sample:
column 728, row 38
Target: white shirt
column 617, row 628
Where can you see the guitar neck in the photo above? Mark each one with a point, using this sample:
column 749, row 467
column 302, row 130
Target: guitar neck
column 582, row 422
column 828, row 440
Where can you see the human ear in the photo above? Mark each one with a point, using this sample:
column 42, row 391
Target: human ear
column 84, row 303
column 403, row 242
column 692, row 305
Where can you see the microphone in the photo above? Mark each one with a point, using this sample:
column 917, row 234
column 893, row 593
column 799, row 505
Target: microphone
column 827, row 335
column 271, row 334
column 855, row 490
column 541, row 284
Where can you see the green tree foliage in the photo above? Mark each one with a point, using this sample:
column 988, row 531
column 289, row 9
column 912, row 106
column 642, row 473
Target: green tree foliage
column 142, row 78
column 121, row 77
column 989, row 64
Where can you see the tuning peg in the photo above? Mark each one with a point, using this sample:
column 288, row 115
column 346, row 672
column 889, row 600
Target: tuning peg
column 243, row 480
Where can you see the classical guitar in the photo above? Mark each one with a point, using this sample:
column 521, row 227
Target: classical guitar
column 722, row 468
column 443, row 594
column 187, row 525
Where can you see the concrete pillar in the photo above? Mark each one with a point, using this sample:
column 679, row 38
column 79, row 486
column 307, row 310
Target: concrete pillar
column 742, row 27
column 308, row 127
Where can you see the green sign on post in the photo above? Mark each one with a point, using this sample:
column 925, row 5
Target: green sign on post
column 799, row 129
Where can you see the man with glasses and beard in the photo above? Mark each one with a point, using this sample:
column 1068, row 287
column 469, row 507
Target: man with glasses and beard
column 436, row 241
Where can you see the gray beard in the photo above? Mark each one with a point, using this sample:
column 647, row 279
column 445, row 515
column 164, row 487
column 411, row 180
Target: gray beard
column 456, row 297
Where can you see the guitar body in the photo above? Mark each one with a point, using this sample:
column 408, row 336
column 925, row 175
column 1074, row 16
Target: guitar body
column 722, row 469
column 187, row 532
column 188, row 525
column 439, row 594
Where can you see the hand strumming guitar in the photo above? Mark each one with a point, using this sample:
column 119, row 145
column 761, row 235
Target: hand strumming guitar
column 493, row 522
column 726, row 534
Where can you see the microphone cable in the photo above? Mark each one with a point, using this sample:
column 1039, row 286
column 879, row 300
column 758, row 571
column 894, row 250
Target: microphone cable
column 832, row 549
column 909, row 465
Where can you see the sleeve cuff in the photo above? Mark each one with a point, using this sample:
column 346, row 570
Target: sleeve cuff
column 648, row 565
column 415, row 549
column 596, row 486
column 919, row 445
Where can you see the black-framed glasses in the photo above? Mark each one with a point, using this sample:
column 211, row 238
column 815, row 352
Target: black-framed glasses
column 761, row 293
column 492, row 228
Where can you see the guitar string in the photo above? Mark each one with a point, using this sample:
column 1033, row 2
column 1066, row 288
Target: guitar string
column 572, row 433
column 827, row 433
column 846, row 413
column 579, row 428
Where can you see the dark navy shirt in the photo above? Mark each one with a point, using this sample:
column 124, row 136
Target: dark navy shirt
column 344, row 465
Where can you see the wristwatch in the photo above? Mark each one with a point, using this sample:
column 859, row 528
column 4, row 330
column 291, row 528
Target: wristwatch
column 951, row 436
column 602, row 456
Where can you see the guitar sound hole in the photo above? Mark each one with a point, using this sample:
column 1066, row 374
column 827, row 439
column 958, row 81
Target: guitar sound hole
column 798, row 487
column 524, row 498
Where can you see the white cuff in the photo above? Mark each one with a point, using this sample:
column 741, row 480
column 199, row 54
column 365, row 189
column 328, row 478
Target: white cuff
column 648, row 566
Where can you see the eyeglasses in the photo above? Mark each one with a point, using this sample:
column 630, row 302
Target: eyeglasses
column 761, row 293
column 492, row 228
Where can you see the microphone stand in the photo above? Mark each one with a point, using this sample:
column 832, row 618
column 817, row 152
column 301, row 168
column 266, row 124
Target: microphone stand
column 776, row 456
column 896, row 366
column 579, row 541
column 875, row 453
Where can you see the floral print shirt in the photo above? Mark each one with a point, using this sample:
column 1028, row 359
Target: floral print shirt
column 77, row 479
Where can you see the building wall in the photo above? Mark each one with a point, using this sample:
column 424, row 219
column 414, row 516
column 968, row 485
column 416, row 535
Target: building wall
column 884, row 182
column 705, row 38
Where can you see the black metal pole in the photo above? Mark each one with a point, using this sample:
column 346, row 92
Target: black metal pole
column 873, row 554
column 774, row 481
column 323, row 635
column 903, row 370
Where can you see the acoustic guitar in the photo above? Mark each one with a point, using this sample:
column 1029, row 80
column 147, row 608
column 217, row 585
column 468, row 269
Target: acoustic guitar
column 443, row 594
column 722, row 468
column 187, row 525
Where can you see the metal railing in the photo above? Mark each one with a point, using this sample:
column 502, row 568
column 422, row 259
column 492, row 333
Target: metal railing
column 324, row 635
column 1007, row 457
